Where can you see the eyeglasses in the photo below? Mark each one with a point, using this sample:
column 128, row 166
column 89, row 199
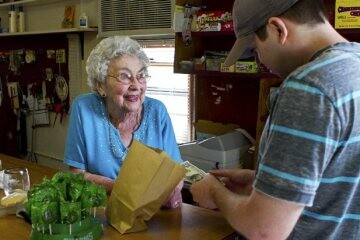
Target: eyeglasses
column 126, row 79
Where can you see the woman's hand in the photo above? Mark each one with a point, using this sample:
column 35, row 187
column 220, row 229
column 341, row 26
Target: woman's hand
column 175, row 198
column 106, row 182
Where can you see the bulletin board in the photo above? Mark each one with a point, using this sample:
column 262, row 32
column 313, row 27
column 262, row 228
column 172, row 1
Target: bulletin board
column 30, row 65
column 35, row 62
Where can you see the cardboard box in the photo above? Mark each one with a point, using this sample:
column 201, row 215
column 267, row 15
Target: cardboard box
column 206, row 128
column 224, row 68
column 246, row 67
column 347, row 14
column 213, row 21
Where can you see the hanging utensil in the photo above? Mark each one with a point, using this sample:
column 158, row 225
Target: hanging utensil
column 62, row 92
column 61, row 86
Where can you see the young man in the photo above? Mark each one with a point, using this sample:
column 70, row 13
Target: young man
column 307, row 183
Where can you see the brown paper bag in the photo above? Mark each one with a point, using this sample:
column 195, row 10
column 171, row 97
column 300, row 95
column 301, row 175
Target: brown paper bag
column 146, row 179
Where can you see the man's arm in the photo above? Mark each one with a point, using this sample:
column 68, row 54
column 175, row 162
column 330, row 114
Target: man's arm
column 257, row 216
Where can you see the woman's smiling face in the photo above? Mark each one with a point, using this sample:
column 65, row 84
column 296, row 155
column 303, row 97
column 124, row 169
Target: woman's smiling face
column 124, row 97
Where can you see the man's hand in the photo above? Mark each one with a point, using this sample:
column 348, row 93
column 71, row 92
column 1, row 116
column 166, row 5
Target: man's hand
column 236, row 180
column 202, row 191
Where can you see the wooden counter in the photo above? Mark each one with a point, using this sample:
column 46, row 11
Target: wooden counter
column 188, row 222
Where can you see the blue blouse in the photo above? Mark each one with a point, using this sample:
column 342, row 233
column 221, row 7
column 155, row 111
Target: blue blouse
column 95, row 145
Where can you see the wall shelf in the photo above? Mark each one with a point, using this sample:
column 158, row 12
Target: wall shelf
column 64, row 30
column 232, row 74
column 213, row 34
column 79, row 31
column 27, row 2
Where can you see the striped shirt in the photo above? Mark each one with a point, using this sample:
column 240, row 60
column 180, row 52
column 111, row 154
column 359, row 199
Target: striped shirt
column 310, row 148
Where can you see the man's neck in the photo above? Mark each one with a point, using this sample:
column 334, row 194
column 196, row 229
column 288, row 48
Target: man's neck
column 317, row 38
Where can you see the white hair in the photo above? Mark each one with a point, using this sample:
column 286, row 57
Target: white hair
column 108, row 49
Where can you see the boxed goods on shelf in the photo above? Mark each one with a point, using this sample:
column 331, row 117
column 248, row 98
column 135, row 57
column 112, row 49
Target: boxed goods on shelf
column 246, row 67
column 213, row 63
column 347, row 14
column 213, row 21
column 213, row 60
column 224, row 68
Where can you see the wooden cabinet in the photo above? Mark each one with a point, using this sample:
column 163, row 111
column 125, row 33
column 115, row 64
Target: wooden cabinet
column 236, row 98
column 201, row 41
column 231, row 97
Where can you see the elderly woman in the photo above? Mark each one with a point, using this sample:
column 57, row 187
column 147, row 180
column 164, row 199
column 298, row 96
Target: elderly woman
column 104, row 123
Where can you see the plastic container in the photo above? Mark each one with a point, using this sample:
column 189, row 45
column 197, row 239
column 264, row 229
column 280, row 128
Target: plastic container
column 12, row 19
column 21, row 19
column 83, row 21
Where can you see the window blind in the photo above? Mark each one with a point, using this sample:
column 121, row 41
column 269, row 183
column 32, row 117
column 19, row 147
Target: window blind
column 136, row 17
column 170, row 88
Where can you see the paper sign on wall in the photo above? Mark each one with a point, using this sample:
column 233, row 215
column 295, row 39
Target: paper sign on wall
column 60, row 56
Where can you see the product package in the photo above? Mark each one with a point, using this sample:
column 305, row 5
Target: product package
column 246, row 67
column 224, row 68
column 64, row 207
column 213, row 60
column 69, row 13
column 347, row 14
column 213, row 21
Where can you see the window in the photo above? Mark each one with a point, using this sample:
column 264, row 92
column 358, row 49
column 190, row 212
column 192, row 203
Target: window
column 170, row 88
column 136, row 18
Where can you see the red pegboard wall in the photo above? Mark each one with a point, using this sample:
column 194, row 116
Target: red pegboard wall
column 34, row 72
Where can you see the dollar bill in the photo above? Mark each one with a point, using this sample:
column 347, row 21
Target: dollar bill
column 193, row 173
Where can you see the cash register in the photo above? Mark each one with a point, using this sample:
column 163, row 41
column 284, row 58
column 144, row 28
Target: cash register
column 224, row 151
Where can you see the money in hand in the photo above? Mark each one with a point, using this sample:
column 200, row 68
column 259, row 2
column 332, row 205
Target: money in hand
column 193, row 173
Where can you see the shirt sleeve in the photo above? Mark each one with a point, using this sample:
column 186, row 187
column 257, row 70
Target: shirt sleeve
column 75, row 151
column 169, row 140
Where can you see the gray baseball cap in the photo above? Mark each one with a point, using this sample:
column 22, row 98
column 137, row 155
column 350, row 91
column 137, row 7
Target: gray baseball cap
column 249, row 16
